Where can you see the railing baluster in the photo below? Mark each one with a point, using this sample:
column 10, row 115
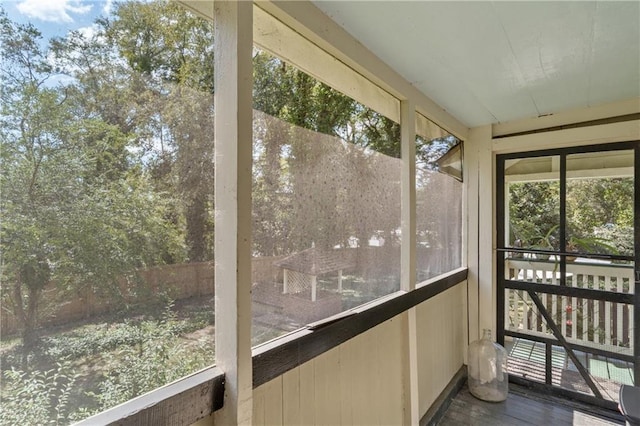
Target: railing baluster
column 571, row 282
column 525, row 311
column 607, row 313
column 558, row 308
column 595, row 320
column 632, row 322
column 619, row 317
column 584, row 321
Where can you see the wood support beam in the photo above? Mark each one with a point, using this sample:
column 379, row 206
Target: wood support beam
column 486, row 231
column 408, row 259
column 233, row 155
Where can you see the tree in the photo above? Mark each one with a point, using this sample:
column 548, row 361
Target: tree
column 171, row 51
column 534, row 208
column 311, row 188
column 76, row 212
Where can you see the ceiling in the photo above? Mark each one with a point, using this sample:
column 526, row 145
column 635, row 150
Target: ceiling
column 494, row 62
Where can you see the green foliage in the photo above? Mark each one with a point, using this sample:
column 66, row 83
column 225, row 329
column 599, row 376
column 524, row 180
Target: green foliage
column 78, row 208
column 37, row 397
column 596, row 202
column 157, row 358
column 534, row 209
column 141, row 355
column 619, row 237
column 599, row 214
column 293, row 159
column 106, row 337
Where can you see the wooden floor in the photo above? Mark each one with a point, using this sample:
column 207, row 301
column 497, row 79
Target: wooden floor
column 520, row 408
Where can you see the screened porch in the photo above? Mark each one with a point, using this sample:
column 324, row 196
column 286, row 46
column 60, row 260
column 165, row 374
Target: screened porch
column 314, row 207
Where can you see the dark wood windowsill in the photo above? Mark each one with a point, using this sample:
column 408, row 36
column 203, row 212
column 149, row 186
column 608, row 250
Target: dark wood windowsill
column 275, row 358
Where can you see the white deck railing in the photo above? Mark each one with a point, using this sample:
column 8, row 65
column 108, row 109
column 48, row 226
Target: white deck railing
column 586, row 322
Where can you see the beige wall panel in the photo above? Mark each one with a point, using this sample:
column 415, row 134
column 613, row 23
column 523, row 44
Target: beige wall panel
column 347, row 382
column 360, row 363
column 327, row 388
column 440, row 343
column 273, row 402
column 357, row 383
column 291, row 394
column 267, row 403
column 307, row 393
column 258, row 404
column 388, row 376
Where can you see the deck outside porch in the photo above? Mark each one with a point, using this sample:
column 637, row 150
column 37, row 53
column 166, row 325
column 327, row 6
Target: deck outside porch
column 527, row 360
column 524, row 407
column 602, row 331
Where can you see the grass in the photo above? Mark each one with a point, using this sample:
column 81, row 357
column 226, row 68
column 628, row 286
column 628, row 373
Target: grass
column 108, row 360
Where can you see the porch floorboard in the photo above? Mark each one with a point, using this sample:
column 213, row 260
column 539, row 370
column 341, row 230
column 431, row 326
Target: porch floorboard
column 522, row 407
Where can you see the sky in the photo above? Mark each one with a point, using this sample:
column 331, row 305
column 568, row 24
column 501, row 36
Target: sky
column 56, row 17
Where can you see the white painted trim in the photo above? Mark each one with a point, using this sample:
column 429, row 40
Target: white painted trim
column 233, row 33
column 481, row 265
column 204, row 9
column 408, row 261
column 306, row 19
column 486, row 234
column 590, row 135
column 311, row 23
column 609, row 110
column 408, row 196
column 283, row 42
column 196, row 391
column 471, row 176
column 428, row 129
column 614, row 172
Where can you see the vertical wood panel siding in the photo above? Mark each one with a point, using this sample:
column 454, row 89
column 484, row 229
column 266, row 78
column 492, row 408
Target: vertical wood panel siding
column 358, row 382
column 441, row 344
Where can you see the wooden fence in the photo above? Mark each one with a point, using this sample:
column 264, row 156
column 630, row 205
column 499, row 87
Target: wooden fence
column 177, row 282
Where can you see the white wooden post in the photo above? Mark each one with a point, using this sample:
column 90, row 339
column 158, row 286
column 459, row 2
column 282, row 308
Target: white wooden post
column 340, row 280
column 471, row 244
column 314, row 282
column 408, row 259
column 285, row 281
column 486, row 232
column 233, row 34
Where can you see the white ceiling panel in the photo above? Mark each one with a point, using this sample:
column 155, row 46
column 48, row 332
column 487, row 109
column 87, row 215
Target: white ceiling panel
column 615, row 67
column 553, row 49
column 488, row 62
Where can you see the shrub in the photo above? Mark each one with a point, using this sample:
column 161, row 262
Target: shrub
column 37, row 397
